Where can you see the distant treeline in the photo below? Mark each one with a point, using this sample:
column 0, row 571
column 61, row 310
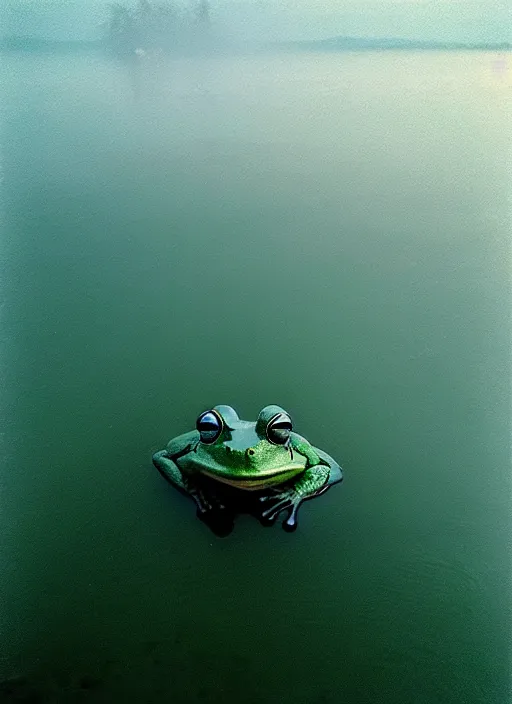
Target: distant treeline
column 157, row 26
column 334, row 44
column 152, row 27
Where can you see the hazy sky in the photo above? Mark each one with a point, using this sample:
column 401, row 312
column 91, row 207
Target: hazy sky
column 461, row 20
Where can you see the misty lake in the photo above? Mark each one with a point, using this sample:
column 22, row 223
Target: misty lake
column 327, row 232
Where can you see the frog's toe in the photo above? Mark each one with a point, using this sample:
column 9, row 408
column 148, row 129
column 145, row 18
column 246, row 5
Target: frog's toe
column 267, row 521
column 291, row 523
column 272, row 512
column 205, row 501
column 271, row 493
column 203, row 505
column 289, row 503
column 205, row 509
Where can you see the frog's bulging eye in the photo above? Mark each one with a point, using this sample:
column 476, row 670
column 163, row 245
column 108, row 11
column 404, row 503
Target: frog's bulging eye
column 279, row 428
column 209, row 425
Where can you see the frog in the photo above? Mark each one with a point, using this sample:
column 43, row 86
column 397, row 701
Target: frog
column 263, row 467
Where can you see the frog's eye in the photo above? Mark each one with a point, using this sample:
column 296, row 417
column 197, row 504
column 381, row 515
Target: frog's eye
column 279, row 428
column 209, row 425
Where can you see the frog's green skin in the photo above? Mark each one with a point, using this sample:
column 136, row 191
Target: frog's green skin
column 243, row 465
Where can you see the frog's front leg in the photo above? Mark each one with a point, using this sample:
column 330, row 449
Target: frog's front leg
column 167, row 464
column 210, row 508
column 312, row 482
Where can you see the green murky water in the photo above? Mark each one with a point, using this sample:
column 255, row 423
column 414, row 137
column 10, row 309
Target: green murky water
column 329, row 233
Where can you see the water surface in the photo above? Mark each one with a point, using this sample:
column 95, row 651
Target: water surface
column 325, row 232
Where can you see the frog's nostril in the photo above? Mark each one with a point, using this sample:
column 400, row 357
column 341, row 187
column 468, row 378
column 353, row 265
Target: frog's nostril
column 250, row 452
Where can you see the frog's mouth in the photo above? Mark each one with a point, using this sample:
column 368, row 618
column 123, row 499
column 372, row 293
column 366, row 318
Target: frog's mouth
column 253, row 483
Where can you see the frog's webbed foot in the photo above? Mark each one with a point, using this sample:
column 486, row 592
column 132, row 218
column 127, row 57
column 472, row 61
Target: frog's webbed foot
column 210, row 506
column 289, row 498
column 204, row 501
column 274, row 504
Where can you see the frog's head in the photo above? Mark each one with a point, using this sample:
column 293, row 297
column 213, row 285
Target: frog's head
column 247, row 455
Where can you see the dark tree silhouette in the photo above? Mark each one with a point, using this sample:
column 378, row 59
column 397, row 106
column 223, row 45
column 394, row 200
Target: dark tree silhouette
column 150, row 26
column 203, row 12
column 121, row 29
